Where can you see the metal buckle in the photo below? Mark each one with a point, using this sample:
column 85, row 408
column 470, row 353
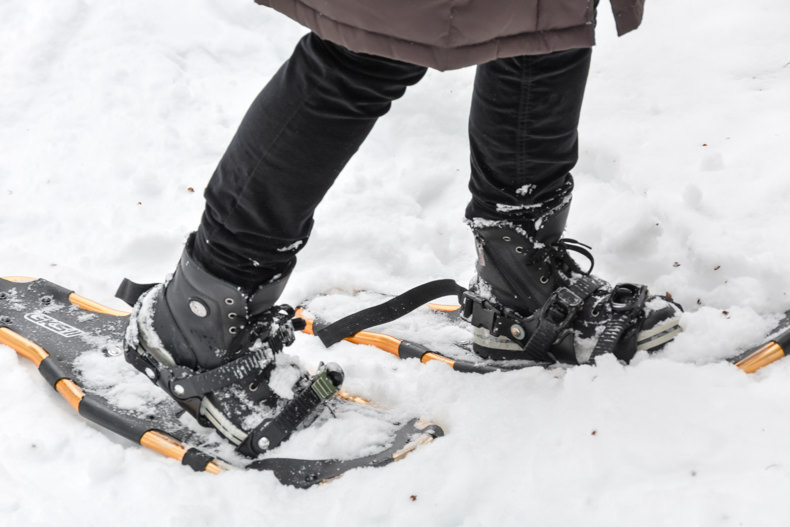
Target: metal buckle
column 561, row 307
column 628, row 297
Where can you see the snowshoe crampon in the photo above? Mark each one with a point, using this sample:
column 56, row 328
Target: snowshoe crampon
column 76, row 344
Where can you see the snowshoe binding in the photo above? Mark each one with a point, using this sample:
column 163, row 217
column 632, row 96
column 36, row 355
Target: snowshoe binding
column 532, row 301
column 217, row 351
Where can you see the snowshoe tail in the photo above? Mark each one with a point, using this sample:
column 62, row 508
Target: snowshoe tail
column 301, row 473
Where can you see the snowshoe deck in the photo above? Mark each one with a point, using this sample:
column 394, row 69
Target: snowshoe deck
column 76, row 344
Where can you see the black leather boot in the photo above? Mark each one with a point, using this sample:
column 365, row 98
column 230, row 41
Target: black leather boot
column 216, row 349
column 533, row 301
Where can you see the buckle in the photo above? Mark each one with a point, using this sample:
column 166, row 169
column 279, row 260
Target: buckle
column 626, row 298
column 561, row 307
column 478, row 311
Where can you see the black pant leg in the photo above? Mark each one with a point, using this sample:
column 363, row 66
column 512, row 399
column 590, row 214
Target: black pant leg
column 523, row 134
column 295, row 139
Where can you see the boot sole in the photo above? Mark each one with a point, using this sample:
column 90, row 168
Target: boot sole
column 221, row 423
column 658, row 336
column 490, row 347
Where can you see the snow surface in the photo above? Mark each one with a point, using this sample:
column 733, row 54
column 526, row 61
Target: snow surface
column 113, row 117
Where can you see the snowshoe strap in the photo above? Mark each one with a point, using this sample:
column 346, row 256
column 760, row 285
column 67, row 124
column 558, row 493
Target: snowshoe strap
column 185, row 383
column 388, row 311
column 558, row 313
column 627, row 301
column 130, row 292
column 272, row 432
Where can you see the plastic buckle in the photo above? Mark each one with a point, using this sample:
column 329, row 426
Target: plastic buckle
column 626, row 298
column 561, row 307
column 478, row 312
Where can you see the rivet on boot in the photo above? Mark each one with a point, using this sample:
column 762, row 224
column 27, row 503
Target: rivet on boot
column 198, row 308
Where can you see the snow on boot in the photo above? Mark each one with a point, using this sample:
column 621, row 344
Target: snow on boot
column 216, row 349
column 532, row 301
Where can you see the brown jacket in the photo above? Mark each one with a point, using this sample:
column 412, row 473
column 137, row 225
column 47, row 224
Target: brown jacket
column 449, row 34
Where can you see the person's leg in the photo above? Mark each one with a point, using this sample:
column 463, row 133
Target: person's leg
column 524, row 143
column 297, row 136
column 523, row 134
column 209, row 335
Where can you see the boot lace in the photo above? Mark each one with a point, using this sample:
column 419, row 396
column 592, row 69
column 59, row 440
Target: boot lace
column 558, row 256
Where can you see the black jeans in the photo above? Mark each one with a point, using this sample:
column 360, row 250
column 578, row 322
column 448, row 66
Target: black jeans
column 320, row 106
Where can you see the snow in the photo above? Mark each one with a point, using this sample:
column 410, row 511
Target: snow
column 114, row 115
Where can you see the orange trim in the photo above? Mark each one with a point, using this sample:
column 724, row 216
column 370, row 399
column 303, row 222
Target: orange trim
column 164, row 444
column 90, row 305
column 368, row 338
column 435, row 356
column 352, row 398
column 168, row 446
column 448, row 308
column 762, row 357
column 71, row 392
column 383, row 342
column 35, row 353
column 22, row 346
column 214, row 468
column 77, row 300
column 19, row 279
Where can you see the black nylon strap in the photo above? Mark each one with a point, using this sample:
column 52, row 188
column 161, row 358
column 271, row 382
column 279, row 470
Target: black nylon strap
column 545, row 335
column 199, row 384
column 130, row 292
column 388, row 311
column 627, row 301
column 611, row 334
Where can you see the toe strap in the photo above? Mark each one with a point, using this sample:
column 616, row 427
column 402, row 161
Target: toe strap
column 272, row 432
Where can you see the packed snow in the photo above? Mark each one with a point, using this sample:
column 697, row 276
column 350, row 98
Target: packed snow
column 114, row 115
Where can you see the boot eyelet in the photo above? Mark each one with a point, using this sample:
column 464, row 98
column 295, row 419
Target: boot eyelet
column 520, row 250
column 506, row 238
column 229, row 301
column 253, row 387
column 232, row 315
column 233, row 330
column 544, row 280
column 596, row 313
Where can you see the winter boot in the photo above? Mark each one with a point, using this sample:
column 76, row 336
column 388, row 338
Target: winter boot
column 216, row 349
column 532, row 301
